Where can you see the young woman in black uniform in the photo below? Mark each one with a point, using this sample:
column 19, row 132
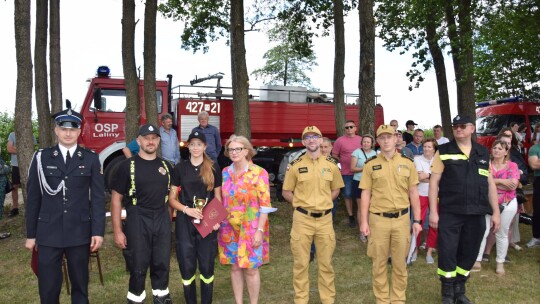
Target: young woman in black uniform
column 197, row 177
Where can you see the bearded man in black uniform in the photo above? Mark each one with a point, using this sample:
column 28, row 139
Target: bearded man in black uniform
column 65, row 210
column 144, row 180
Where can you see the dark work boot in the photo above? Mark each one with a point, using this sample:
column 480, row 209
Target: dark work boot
column 459, row 291
column 447, row 290
column 166, row 299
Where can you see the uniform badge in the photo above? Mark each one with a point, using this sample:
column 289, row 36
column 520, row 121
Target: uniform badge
column 55, row 153
column 303, row 170
column 81, row 167
column 151, row 128
column 377, row 167
column 162, row 171
column 79, row 154
column 52, row 167
column 483, row 162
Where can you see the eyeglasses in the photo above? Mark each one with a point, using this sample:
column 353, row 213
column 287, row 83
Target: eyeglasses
column 460, row 126
column 235, row 150
column 312, row 137
column 350, row 127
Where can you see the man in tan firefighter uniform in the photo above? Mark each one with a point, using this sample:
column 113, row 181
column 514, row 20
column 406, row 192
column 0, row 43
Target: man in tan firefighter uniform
column 311, row 183
column 389, row 187
column 466, row 192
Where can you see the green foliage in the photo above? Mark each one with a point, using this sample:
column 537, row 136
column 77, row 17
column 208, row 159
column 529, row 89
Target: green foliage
column 204, row 20
column 286, row 63
column 506, row 50
column 7, row 125
column 402, row 25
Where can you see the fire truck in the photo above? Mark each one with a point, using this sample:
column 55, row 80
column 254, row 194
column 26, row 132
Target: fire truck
column 493, row 115
column 278, row 116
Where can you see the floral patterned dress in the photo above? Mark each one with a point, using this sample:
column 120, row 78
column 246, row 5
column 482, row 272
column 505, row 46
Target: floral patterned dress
column 244, row 196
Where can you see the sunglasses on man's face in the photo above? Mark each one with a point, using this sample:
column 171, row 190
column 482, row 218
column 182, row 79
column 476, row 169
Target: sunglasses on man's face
column 350, row 127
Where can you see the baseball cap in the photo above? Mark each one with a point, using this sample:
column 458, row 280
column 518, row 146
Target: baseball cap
column 311, row 129
column 148, row 129
column 198, row 135
column 385, row 129
column 410, row 122
column 68, row 119
column 462, row 119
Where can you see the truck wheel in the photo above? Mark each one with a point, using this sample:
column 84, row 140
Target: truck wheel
column 110, row 171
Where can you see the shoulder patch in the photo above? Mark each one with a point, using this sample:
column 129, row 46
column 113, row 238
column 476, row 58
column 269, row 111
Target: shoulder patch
column 332, row 160
column 405, row 156
column 370, row 159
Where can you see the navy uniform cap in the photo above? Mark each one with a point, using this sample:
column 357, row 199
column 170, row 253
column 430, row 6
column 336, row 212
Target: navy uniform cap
column 68, row 119
column 198, row 135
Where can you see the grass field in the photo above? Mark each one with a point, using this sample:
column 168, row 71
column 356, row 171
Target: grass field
column 353, row 271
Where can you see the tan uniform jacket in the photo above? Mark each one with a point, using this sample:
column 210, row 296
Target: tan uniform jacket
column 389, row 181
column 312, row 182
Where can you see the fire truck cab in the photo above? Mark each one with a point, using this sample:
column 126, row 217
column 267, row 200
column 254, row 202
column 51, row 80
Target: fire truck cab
column 492, row 116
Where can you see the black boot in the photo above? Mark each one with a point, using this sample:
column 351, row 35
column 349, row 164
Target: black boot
column 459, row 290
column 166, row 299
column 206, row 292
column 447, row 290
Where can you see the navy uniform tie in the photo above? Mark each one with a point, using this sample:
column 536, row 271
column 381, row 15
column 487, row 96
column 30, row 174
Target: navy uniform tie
column 68, row 158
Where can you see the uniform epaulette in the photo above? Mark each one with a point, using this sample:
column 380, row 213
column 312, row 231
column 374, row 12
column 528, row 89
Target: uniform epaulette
column 88, row 150
column 332, row 160
column 370, row 159
column 295, row 161
column 407, row 157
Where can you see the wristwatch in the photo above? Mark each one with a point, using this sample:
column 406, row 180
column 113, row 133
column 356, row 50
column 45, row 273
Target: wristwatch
column 417, row 222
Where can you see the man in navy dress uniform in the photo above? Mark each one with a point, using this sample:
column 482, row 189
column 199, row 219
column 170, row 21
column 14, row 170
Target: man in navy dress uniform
column 65, row 210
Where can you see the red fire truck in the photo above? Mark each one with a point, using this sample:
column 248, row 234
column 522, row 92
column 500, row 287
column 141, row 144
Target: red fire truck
column 492, row 116
column 278, row 116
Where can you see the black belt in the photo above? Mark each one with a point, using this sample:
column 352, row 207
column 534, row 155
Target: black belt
column 313, row 214
column 393, row 214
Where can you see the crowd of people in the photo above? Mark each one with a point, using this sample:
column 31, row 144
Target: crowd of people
column 452, row 197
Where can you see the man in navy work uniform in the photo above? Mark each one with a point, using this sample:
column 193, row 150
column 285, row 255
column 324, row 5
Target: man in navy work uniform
column 145, row 180
column 65, row 211
column 462, row 184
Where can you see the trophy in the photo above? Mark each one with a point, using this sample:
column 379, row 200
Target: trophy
column 199, row 203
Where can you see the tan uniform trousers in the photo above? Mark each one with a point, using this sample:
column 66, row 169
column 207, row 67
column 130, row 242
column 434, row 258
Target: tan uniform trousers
column 304, row 230
column 389, row 235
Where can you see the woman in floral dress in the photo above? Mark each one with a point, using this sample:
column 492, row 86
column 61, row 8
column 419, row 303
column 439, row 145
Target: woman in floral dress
column 244, row 238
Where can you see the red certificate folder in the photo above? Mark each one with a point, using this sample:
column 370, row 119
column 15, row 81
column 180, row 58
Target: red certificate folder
column 34, row 261
column 213, row 213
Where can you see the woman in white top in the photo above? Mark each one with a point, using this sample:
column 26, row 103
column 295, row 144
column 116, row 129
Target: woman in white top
column 423, row 167
column 358, row 158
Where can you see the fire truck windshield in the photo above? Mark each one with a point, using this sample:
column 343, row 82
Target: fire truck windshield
column 113, row 100
column 492, row 124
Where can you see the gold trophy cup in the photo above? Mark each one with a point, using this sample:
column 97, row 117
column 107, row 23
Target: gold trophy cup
column 199, row 203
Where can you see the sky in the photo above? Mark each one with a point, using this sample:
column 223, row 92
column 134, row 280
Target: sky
column 91, row 36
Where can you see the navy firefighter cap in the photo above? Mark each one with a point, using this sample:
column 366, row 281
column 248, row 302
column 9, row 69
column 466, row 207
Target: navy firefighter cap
column 68, row 119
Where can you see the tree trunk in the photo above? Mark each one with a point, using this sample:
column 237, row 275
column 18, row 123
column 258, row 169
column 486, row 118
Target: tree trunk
column 46, row 124
column 461, row 47
column 130, row 69
column 150, row 100
column 467, row 104
column 240, row 80
column 55, row 58
column 440, row 74
column 23, row 98
column 339, row 67
column 366, row 81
